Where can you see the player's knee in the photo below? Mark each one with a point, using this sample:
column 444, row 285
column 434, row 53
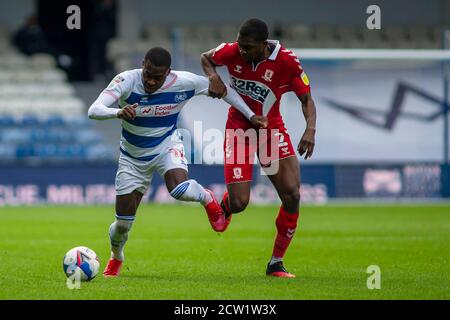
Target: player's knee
column 173, row 184
column 128, row 209
column 291, row 199
column 128, row 204
column 123, row 226
column 238, row 204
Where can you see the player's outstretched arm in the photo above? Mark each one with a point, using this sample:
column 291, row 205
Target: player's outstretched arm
column 201, row 85
column 101, row 108
column 99, row 111
column 233, row 98
column 216, row 88
column 306, row 145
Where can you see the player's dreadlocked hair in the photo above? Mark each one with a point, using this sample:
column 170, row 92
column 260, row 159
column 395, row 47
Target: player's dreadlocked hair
column 255, row 29
column 158, row 57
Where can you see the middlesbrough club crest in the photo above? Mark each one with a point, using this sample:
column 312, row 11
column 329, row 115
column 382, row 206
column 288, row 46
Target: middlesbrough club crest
column 237, row 173
column 268, row 75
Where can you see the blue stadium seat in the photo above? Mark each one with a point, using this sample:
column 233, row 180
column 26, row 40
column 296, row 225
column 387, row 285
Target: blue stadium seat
column 99, row 152
column 47, row 150
column 65, row 136
column 7, row 151
column 7, row 121
column 78, row 122
column 76, row 151
column 39, row 135
column 87, row 136
column 62, row 151
column 30, row 120
column 51, row 138
column 55, row 136
column 55, row 121
column 25, row 151
column 16, row 136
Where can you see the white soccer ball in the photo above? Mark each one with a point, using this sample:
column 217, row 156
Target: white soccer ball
column 81, row 263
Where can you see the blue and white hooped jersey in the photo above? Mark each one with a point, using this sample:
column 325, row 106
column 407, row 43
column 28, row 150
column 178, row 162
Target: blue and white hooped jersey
column 156, row 115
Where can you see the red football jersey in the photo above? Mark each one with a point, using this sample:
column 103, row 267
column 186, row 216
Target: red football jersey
column 262, row 85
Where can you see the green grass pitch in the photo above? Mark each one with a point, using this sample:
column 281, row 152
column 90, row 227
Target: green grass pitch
column 172, row 253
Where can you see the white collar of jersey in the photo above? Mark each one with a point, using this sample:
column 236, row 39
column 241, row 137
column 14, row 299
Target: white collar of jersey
column 274, row 54
column 170, row 80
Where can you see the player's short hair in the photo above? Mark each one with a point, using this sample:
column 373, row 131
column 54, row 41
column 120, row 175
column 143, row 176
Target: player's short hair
column 158, row 57
column 255, row 29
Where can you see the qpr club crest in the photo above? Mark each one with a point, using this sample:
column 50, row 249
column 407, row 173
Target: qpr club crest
column 180, row 97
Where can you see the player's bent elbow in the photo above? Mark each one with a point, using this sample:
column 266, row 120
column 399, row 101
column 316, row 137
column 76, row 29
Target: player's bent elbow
column 204, row 55
column 93, row 113
column 205, row 59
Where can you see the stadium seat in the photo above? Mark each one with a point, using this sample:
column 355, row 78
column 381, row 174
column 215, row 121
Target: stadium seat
column 30, row 120
column 77, row 122
column 61, row 135
column 435, row 33
column 42, row 61
column 39, row 135
column 52, row 75
column 8, row 90
column 395, row 33
column 6, row 121
column 5, row 75
column 99, row 152
column 157, row 31
column 76, row 150
column 52, row 136
column 7, row 151
column 226, row 32
column 371, row 37
column 60, row 90
column 116, row 48
column 25, row 151
column 40, row 116
column 15, row 136
column 323, row 32
column 45, row 150
column 87, row 136
column 73, row 106
column 55, row 120
column 297, row 31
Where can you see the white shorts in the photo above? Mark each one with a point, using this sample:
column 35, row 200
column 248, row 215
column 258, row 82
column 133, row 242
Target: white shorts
column 137, row 175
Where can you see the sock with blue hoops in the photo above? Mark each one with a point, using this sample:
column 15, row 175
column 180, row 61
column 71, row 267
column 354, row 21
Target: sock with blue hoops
column 118, row 235
column 191, row 190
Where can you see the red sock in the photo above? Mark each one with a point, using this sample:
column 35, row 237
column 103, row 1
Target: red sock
column 286, row 224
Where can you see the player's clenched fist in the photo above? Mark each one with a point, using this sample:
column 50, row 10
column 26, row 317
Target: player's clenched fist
column 259, row 121
column 128, row 112
column 216, row 88
column 306, row 144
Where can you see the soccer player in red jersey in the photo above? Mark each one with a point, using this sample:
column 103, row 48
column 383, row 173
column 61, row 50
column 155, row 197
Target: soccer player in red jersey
column 261, row 70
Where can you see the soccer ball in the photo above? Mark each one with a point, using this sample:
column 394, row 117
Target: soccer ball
column 81, row 263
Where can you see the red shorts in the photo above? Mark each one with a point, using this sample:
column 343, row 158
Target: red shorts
column 240, row 147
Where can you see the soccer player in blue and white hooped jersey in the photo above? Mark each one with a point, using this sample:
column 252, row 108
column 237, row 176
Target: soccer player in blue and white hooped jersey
column 150, row 100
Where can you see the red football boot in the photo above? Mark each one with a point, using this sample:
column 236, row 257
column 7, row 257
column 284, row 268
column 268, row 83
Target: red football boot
column 113, row 268
column 216, row 216
column 278, row 270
